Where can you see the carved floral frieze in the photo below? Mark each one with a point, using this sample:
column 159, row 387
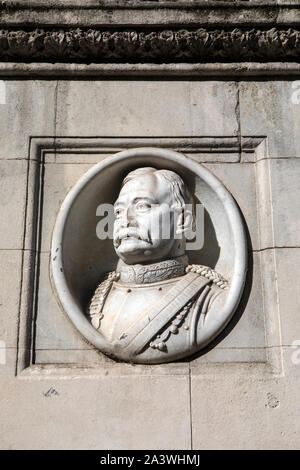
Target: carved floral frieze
column 138, row 45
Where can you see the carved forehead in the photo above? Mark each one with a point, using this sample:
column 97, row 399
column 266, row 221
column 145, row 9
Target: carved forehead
column 148, row 185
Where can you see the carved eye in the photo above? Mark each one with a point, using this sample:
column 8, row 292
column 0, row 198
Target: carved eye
column 143, row 206
column 118, row 212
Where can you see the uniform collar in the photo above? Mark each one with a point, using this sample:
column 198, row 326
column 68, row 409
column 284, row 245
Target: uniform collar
column 155, row 272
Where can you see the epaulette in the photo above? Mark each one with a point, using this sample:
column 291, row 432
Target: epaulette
column 209, row 273
column 97, row 303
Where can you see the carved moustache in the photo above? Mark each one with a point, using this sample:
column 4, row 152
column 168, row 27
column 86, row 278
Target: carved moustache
column 131, row 232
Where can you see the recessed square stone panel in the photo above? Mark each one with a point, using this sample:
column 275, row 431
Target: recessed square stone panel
column 61, row 162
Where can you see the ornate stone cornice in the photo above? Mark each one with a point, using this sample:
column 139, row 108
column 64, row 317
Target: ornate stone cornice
column 137, row 37
column 144, row 45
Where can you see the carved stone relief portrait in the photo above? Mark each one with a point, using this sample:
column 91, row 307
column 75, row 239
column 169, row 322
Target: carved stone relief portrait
column 162, row 273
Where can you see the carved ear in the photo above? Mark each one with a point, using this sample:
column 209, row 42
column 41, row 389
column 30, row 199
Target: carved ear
column 184, row 221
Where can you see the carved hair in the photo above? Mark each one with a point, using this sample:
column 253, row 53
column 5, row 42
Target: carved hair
column 179, row 190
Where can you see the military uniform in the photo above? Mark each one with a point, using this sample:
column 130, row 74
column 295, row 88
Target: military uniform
column 152, row 314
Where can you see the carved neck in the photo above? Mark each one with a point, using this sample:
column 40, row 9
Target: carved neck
column 156, row 272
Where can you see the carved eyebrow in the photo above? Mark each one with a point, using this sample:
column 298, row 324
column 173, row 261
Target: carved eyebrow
column 136, row 199
column 144, row 199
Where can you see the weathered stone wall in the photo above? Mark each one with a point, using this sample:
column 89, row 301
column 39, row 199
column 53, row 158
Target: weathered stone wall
column 57, row 391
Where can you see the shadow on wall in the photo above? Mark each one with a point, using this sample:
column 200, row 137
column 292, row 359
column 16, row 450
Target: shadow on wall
column 209, row 254
column 242, row 305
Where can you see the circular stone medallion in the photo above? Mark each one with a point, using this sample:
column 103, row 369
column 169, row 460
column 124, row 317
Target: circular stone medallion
column 134, row 294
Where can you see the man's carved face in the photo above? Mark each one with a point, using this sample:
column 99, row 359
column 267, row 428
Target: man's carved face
column 143, row 220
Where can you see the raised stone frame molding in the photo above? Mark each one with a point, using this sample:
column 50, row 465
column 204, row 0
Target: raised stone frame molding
column 153, row 38
column 248, row 149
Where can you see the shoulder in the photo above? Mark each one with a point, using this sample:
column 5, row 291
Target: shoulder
column 209, row 273
column 97, row 301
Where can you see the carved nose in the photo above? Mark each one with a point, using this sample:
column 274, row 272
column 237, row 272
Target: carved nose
column 128, row 219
